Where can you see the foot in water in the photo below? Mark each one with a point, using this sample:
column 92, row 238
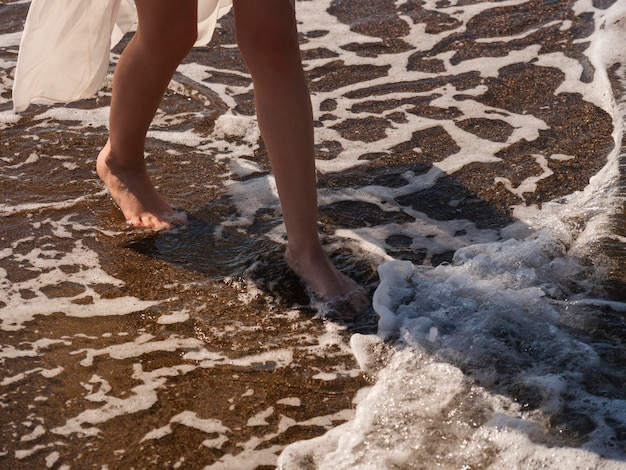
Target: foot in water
column 329, row 285
column 133, row 192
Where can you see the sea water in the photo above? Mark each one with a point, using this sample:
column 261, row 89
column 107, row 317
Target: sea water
column 491, row 360
column 468, row 153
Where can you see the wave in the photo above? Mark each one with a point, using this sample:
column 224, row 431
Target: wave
column 508, row 355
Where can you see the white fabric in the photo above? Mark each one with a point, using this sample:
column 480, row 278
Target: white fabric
column 64, row 51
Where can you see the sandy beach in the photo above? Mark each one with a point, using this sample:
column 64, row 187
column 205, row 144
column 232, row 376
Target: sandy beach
column 440, row 126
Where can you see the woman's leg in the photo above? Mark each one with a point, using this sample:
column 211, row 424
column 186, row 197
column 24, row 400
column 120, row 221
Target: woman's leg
column 166, row 32
column 268, row 41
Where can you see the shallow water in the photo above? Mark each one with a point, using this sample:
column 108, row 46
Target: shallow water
column 455, row 143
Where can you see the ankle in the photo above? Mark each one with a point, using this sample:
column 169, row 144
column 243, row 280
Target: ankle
column 117, row 163
column 304, row 254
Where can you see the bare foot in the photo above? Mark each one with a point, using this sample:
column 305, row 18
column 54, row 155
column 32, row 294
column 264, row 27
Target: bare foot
column 325, row 280
column 133, row 191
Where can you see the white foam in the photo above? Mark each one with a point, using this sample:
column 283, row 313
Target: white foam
column 11, row 39
column 47, row 373
column 258, row 451
column 229, row 126
column 191, row 420
column 290, row 401
column 143, row 397
column 274, row 359
column 8, row 117
column 443, row 332
column 48, row 262
column 388, row 424
column 174, row 317
column 96, row 117
column 9, row 209
column 243, row 167
column 36, row 348
column 226, row 93
column 529, row 185
column 456, row 313
column 186, row 138
column 143, row 344
column 25, row 453
column 37, row 432
column 251, row 195
column 515, row 447
column 470, row 316
column 260, row 418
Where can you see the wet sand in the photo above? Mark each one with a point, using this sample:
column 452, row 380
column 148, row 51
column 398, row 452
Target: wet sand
column 224, row 356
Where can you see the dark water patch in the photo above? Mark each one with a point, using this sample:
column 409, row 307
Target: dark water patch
column 495, row 130
column 63, row 289
column 426, row 146
column 13, row 16
column 380, row 106
column 328, row 150
column 198, row 246
column 368, row 129
column 337, row 74
column 356, row 214
column 461, row 82
column 436, row 22
column 245, row 103
column 479, row 179
column 603, row 4
column 435, row 112
column 194, row 97
column 388, row 46
column 328, row 104
column 227, row 78
column 421, row 64
column 318, row 53
column 402, row 247
column 539, row 84
column 449, row 200
column 418, row 105
column 398, row 117
column 382, row 171
column 571, row 427
column 220, row 53
column 377, row 18
column 519, row 30
column 319, row 33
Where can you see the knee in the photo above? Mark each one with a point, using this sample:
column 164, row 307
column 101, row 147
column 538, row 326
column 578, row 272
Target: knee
column 172, row 43
column 185, row 39
column 270, row 49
